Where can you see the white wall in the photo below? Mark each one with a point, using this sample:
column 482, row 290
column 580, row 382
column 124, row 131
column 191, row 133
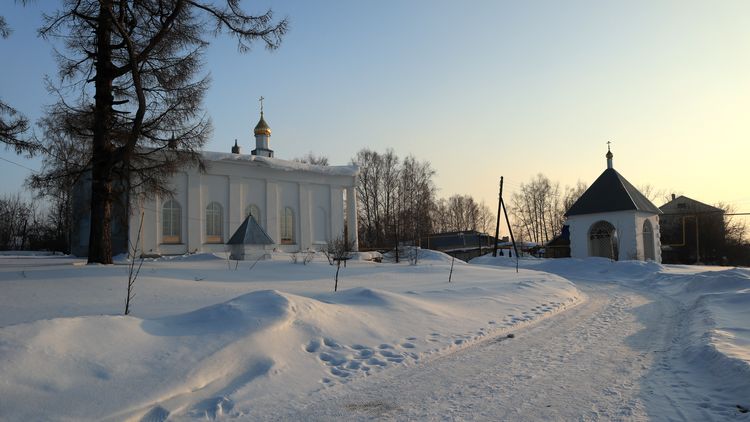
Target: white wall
column 623, row 221
column 316, row 198
column 640, row 218
column 629, row 226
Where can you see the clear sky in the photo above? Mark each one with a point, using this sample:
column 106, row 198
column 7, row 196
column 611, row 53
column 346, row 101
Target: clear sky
column 480, row 89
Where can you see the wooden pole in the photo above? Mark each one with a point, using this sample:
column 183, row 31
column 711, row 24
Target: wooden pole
column 451, row 273
column 497, row 224
column 510, row 230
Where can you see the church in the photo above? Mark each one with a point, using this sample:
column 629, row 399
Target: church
column 289, row 206
column 612, row 219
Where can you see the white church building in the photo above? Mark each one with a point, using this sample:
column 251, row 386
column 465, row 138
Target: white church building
column 613, row 219
column 296, row 206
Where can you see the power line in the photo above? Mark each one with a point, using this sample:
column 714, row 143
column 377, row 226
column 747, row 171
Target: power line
column 19, row 165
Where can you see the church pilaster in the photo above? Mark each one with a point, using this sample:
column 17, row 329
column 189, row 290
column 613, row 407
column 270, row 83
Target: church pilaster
column 236, row 204
column 272, row 211
column 351, row 216
column 194, row 214
column 305, row 217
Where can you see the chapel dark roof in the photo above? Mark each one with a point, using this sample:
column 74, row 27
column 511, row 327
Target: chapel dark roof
column 250, row 233
column 611, row 192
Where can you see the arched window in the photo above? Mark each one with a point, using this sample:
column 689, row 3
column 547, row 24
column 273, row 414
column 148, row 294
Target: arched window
column 171, row 222
column 253, row 210
column 649, row 251
column 603, row 240
column 287, row 226
column 214, row 223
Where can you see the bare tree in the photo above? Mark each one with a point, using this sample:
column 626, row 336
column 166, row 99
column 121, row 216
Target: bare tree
column 311, row 158
column 337, row 250
column 129, row 87
column 395, row 198
column 16, row 217
column 538, row 208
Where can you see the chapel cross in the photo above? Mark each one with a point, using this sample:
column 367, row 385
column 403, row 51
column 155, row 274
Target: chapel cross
column 607, row 141
column 261, row 104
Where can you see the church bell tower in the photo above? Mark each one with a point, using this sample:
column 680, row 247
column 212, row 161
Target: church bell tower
column 262, row 136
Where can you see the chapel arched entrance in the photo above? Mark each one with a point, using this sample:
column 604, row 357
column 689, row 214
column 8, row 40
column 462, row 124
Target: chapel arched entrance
column 603, row 240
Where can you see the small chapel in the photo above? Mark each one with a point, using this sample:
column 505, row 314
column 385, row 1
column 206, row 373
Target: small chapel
column 612, row 219
column 247, row 203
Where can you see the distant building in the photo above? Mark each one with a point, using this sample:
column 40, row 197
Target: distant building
column 613, row 219
column 294, row 205
column 691, row 232
column 457, row 240
column 559, row 246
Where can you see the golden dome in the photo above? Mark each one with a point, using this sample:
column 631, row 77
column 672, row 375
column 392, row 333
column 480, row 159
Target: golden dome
column 262, row 127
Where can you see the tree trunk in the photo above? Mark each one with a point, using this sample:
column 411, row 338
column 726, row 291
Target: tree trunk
column 100, row 237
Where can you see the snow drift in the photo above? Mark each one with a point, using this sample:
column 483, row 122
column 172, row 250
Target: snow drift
column 279, row 333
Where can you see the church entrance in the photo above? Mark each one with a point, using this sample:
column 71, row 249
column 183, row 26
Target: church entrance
column 603, row 240
column 649, row 251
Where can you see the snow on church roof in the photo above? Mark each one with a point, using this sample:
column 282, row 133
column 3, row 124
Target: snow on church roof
column 278, row 164
column 611, row 192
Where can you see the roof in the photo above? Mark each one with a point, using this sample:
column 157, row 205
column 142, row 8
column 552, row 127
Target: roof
column 684, row 205
column 611, row 192
column 250, row 233
column 279, row 164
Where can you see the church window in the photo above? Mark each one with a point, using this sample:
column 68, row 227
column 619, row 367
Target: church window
column 171, row 222
column 214, row 223
column 287, row 226
column 253, row 210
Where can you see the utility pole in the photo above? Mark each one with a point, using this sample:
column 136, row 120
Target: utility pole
column 510, row 230
column 497, row 224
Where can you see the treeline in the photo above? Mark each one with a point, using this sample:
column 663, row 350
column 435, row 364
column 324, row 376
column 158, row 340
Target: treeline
column 397, row 202
column 538, row 208
column 25, row 226
column 394, row 198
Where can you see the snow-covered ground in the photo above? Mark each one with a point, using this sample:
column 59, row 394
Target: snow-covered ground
column 715, row 301
column 207, row 341
column 637, row 341
column 703, row 372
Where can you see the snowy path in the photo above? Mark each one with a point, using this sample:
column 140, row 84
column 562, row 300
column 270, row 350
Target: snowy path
column 615, row 357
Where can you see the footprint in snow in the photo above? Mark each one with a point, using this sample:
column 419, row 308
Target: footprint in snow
column 313, row 346
column 331, row 343
column 212, row 408
column 365, row 353
column 156, row 414
column 376, row 362
column 339, row 373
column 389, row 354
column 332, row 359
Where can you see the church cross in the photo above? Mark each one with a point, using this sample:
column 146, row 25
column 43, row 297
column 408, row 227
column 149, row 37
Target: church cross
column 607, row 141
column 261, row 104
